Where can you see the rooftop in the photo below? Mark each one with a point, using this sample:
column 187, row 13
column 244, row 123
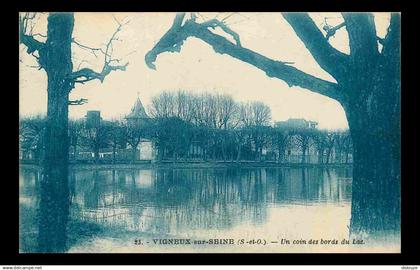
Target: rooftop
column 296, row 123
column 138, row 110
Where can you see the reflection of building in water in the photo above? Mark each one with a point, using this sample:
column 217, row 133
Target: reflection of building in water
column 179, row 201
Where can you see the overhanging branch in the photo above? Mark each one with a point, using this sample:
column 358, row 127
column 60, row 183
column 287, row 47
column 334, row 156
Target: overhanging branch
column 28, row 40
column 177, row 34
column 330, row 59
column 171, row 41
column 214, row 23
column 87, row 74
column 110, row 64
column 362, row 37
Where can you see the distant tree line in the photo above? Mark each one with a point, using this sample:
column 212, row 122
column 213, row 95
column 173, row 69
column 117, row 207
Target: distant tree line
column 209, row 127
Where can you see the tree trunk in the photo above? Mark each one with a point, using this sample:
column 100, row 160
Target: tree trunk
column 376, row 184
column 320, row 153
column 75, row 152
column 281, row 149
column 374, row 122
column 338, row 156
column 96, row 155
column 114, row 149
column 223, row 135
column 328, row 156
column 54, row 203
column 303, row 155
column 238, row 156
column 133, row 153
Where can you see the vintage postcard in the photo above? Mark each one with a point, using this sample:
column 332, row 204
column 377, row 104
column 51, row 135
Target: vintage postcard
column 201, row 132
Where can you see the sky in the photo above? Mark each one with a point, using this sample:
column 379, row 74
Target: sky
column 196, row 68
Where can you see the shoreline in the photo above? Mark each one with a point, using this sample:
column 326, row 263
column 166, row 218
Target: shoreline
column 195, row 165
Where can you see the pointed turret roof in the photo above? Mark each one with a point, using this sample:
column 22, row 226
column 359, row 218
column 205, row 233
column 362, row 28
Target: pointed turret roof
column 138, row 110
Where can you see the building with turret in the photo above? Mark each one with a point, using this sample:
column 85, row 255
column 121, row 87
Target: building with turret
column 138, row 115
column 138, row 119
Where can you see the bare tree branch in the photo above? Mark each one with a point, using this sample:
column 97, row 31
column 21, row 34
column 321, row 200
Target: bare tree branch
column 27, row 39
column 110, row 64
column 328, row 58
column 171, row 41
column 78, row 101
column 177, row 34
column 87, row 74
column 93, row 50
column 213, row 23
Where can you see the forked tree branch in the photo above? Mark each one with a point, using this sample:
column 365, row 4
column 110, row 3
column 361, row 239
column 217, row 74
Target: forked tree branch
column 393, row 37
column 28, row 39
column 94, row 51
column 86, row 74
column 178, row 33
column 362, row 37
column 214, row 23
column 330, row 59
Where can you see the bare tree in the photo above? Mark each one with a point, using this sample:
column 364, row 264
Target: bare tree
column 226, row 112
column 281, row 139
column 367, row 85
column 54, row 56
column 163, row 105
column 96, row 137
column 255, row 114
column 343, row 145
column 134, row 133
column 31, row 136
column 303, row 139
column 184, row 104
column 75, row 134
column 255, row 117
column 329, row 144
column 320, row 140
column 117, row 137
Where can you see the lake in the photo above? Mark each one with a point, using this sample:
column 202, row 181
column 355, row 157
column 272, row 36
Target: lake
column 260, row 208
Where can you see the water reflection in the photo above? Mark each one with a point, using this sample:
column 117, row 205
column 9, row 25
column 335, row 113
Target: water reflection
column 179, row 201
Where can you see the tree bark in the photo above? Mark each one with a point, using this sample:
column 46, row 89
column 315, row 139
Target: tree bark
column 54, row 203
column 376, row 179
column 373, row 111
